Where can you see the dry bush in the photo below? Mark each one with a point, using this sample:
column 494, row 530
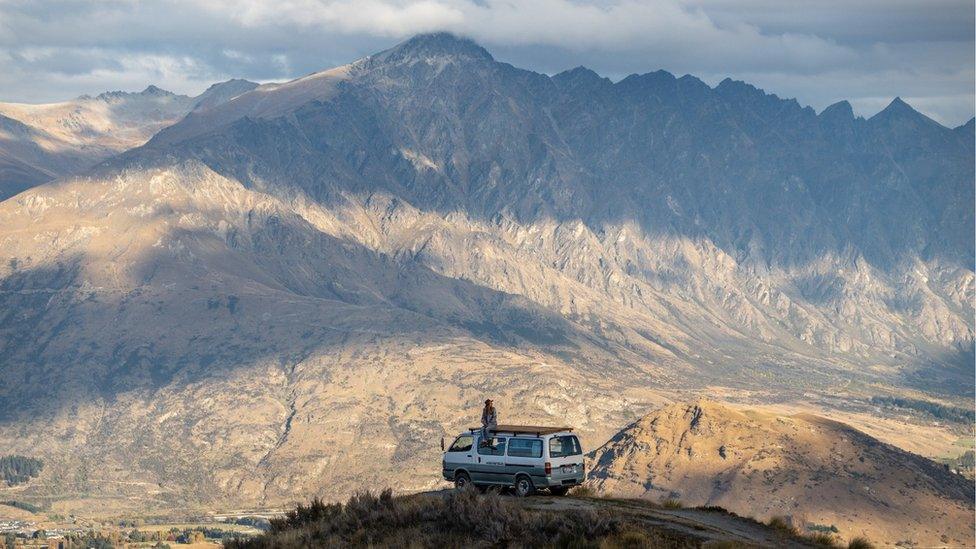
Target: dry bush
column 860, row 542
column 783, row 526
column 823, row 539
column 583, row 491
column 672, row 503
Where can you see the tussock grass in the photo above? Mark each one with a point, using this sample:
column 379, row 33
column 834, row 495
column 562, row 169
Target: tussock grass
column 860, row 542
column 583, row 491
column 823, row 539
column 672, row 503
column 783, row 526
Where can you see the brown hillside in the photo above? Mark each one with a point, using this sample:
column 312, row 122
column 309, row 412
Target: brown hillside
column 813, row 470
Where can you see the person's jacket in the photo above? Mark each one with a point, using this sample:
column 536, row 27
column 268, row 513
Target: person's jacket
column 489, row 417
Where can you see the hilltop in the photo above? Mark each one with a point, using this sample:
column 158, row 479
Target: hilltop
column 818, row 472
column 470, row 519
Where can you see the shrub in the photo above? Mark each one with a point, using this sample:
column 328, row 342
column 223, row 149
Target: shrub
column 672, row 503
column 823, row 539
column 783, row 526
column 860, row 542
column 583, row 491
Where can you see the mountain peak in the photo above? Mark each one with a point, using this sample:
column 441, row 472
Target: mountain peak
column 899, row 110
column 438, row 44
column 154, row 90
column 841, row 110
column 579, row 76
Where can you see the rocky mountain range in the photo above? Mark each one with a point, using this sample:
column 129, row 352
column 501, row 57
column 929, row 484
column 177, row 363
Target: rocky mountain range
column 40, row 142
column 300, row 288
column 812, row 471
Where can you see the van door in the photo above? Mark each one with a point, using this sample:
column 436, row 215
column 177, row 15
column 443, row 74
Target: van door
column 525, row 456
column 490, row 467
column 566, row 459
column 459, row 454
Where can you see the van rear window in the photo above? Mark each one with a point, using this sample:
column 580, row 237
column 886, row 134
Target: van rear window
column 566, row 445
column 525, row 447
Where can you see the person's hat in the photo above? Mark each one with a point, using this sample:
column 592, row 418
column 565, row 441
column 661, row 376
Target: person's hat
column 488, row 401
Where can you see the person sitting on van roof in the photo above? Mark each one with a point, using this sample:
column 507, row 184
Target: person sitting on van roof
column 489, row 421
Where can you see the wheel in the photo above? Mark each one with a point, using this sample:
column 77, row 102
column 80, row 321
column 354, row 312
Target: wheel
column 559, row 490
column 524, row 486
column 461, row 480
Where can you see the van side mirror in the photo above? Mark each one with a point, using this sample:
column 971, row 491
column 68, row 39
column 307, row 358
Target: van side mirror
column 442, row 444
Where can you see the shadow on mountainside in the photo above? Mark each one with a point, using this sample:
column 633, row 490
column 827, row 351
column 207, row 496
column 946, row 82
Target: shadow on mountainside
column 277, row 288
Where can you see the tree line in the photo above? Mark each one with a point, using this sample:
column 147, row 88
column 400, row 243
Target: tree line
column 15, row 469
column 940, row 411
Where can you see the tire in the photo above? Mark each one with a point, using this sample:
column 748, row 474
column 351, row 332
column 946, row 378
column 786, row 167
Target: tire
column 461, row 480
column 524, row 486
column 559, row 490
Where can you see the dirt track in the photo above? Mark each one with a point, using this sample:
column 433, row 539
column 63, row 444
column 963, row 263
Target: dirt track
column 709, row 525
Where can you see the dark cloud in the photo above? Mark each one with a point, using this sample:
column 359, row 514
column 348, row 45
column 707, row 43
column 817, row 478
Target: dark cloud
column 867, row 51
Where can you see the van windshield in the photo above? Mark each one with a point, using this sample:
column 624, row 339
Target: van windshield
column 566, row 445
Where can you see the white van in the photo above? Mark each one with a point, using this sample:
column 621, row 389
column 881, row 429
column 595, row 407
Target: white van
column 524, row 457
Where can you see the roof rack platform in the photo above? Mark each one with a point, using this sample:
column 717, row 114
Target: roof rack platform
column 537, row 430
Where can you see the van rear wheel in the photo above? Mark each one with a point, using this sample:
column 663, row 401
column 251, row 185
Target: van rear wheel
column 461, row 480
column 559, row 490
column 524, row 486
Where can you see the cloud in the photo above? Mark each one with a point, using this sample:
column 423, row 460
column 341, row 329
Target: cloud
column 819, row 52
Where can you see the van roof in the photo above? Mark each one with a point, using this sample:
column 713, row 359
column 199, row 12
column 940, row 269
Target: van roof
column 537, row 430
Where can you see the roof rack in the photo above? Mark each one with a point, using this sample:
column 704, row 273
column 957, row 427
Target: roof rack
column 537, row 430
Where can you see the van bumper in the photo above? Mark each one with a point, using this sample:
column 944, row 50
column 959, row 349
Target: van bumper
column 555, row 482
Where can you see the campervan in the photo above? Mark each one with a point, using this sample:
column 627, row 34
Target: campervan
column 525, row 458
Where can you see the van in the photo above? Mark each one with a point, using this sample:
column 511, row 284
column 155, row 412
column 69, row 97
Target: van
column 525, row 458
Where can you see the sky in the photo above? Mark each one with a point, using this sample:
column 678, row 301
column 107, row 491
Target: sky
column 819, row 52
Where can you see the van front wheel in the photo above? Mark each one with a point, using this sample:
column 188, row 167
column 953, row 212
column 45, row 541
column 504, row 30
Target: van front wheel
column 524, row 486
column 461, row 480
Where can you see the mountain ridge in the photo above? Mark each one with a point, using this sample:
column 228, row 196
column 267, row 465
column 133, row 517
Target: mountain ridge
column 72, row 136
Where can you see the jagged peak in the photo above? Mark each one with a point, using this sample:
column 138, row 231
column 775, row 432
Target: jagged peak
column 900, row 111
column 579, row 76
column 436, row 44
column 897, row 107
column 841, row 110
column 152, row 89
column 578, row 72
column 728, row 85
column 649, row 79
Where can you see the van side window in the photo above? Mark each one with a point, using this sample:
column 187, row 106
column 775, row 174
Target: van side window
column 566, row 445
column 462, row 444
column 525, row 447
column 496, row 448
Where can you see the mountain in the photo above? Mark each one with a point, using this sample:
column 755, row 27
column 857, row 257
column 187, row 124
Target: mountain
column 300, row 290
column 817, row 471
column 40, row 142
